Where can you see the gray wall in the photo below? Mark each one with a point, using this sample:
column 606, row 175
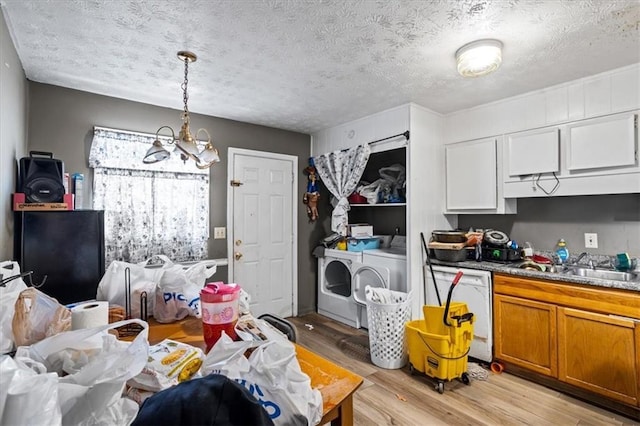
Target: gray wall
column 61, row 121
column 542, row 221
column 13, row 132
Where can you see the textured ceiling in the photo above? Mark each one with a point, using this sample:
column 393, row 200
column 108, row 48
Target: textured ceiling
column 308, row 65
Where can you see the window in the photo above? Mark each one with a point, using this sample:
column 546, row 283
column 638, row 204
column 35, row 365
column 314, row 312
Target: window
column 149, row 209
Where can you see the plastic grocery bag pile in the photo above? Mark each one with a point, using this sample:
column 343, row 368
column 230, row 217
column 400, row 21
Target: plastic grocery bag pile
column 60, row 376
column 271, row 373
column 264, row 363
column 89, row 377
column 75, row 377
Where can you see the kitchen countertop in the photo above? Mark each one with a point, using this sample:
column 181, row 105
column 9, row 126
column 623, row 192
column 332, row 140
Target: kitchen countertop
column 511, row 269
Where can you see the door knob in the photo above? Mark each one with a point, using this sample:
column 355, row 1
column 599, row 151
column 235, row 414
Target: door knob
column 237, row 255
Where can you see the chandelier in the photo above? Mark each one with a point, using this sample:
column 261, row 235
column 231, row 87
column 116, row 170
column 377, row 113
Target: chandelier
column 186, row 143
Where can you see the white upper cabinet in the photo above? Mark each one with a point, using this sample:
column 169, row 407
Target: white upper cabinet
column 602, row 143
column 471, row 171
column 533, row 152
column 471, row 175
column 585, row 157
column 577, row 138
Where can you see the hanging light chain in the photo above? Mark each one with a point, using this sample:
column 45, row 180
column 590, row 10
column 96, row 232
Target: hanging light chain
column 185, row 95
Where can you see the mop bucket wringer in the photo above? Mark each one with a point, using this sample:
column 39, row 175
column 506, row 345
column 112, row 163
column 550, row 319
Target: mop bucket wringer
column 439, row 344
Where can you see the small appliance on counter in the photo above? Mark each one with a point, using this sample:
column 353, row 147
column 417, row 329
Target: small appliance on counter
column 497, row 247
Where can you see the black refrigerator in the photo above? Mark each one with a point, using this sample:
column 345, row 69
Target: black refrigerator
column 65, row 246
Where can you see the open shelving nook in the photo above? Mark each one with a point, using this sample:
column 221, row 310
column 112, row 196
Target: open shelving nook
column 393, row 220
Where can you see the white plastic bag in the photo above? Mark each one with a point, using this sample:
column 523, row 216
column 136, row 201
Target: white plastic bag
column 8, row 296
column 373, row 190
column 112, row 285
column 178, row 292
column 97, row 367
column 272, row 374
column 28, row 395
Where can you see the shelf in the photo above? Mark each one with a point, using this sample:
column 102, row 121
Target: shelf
column 379, row 205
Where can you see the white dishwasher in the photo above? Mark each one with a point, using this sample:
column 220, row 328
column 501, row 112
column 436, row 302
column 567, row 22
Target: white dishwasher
column 474, row 289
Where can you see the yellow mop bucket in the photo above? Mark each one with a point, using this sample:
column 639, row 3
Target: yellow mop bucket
column 438, row 345
column 439, row 350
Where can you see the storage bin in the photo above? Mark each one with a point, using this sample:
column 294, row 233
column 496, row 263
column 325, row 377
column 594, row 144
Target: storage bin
column 360, row 244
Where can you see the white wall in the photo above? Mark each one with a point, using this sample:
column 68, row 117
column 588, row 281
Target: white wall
column 13, row 132
column 425, row 193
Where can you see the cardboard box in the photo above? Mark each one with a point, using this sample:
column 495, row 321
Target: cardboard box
column 20, row 204
column 360, row 230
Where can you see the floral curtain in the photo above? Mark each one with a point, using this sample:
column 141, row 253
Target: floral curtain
column 341, row 171
column 149, row 209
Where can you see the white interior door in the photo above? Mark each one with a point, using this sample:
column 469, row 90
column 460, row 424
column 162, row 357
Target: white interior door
column 262, row 244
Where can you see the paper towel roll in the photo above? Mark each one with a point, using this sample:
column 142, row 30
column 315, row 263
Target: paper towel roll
column 89, row 315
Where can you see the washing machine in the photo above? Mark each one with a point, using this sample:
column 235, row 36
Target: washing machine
column 386, row 268
column 335, row 286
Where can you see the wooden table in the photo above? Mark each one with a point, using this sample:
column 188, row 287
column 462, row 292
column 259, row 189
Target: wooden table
column 335, row 383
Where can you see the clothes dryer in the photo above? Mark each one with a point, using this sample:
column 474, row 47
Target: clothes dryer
column 335, row 286
column 385, row 268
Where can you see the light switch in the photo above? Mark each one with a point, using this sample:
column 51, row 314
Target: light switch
column 590, row 240
column 219, row 233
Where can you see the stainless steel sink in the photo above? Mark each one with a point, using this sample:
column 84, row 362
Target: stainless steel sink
column 603, row 274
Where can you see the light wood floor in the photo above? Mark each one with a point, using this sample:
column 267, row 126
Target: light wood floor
column 501, row 399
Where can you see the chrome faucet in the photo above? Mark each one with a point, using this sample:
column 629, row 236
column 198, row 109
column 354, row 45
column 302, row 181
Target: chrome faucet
column 580, row 257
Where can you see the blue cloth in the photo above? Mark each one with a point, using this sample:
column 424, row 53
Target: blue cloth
column 210, row 400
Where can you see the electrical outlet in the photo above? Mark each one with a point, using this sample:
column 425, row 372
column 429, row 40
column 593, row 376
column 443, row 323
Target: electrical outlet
column 219, row 233
column 590, row 240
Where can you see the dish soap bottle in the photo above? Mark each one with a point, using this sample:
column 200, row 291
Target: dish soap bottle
column 562, row 251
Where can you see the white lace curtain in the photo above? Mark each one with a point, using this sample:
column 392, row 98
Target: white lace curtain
column 149, row 209
column 340, row 172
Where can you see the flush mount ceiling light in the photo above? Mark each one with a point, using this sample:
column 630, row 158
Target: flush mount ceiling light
column 479, row 57
column 185, row 143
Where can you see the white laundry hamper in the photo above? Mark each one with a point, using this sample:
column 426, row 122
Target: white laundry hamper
column 386, row 316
